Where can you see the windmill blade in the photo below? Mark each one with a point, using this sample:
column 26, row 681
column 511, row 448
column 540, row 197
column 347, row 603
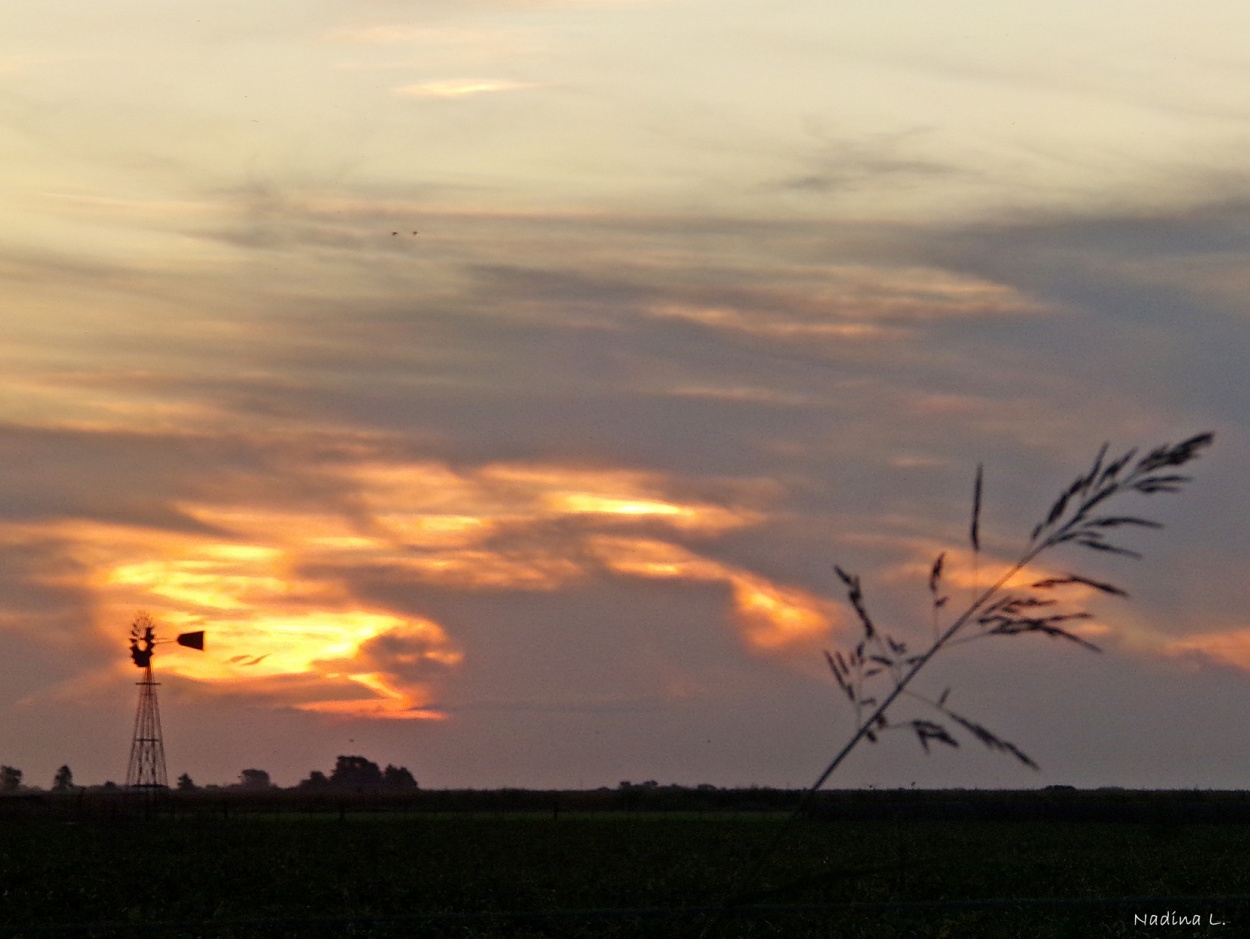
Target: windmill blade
column 192, row 640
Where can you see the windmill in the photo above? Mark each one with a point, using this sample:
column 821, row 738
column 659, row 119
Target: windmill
column 146, row 769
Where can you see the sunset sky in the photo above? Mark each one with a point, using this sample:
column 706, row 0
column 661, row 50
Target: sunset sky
column 497, row 381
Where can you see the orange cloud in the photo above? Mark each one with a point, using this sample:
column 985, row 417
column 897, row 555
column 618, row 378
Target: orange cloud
column 459, row 88
column 1231, row 647
column 750, row 322
column 965, row 576
column 770, row 617
column 272, row 584
column 490, row 570
column 965, row 571
column 266, row 621
column 776, row 618
column 852, row 302
column 397, row 665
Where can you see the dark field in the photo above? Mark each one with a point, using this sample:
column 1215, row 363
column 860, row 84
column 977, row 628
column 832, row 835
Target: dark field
column 906, row 866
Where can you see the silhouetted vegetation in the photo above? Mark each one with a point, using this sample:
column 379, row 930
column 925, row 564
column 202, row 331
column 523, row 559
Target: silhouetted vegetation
column 316, row 781
column 357, row 774
column 254, row 779
column 1052, row 804
column 880, row 668
column 1079, row 517
column 10, row 779
column 63, row 781
column 398, row 778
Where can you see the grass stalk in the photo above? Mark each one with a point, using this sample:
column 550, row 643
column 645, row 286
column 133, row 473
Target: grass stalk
column 1075, row 518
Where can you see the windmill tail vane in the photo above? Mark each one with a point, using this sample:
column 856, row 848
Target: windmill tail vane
column 146, row 768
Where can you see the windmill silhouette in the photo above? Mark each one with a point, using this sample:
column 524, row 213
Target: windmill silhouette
column 146, row 769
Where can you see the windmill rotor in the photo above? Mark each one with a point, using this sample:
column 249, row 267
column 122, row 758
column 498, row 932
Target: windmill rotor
column 142, row 640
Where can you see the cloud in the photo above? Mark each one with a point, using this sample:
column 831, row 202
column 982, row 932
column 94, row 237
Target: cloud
column 460, row 87
column 20, row 64
column 405, row 33
column 634, row 442
column 1227, row 647
column 475, row 40
column 771, row 617
column 842, row 165
column 401, row 666
column 278, row 568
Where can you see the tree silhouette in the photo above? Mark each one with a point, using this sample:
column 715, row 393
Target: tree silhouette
column 185, row 783
column 10, row 779
column 355, row 772
column 316, row 780
column 254, row 779
column 398, row 777
column 64, row 780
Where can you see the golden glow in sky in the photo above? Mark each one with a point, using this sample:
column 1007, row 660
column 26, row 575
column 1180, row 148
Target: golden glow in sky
column 457, row 88
column 277, row 604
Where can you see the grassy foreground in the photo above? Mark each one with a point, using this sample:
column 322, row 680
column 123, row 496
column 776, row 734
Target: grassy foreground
column 463, row 875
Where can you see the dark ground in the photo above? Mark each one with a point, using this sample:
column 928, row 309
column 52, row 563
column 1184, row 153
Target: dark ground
column 653, row 862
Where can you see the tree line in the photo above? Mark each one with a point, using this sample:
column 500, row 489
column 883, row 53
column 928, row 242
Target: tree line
column 350, row 774
column 11, row 779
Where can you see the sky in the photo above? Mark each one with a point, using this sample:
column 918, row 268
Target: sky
column 497, row 382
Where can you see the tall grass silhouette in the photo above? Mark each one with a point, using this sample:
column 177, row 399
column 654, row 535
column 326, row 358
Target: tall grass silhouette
column 878, row 669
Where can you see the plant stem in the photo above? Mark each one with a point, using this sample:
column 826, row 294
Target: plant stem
column 735, row 895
